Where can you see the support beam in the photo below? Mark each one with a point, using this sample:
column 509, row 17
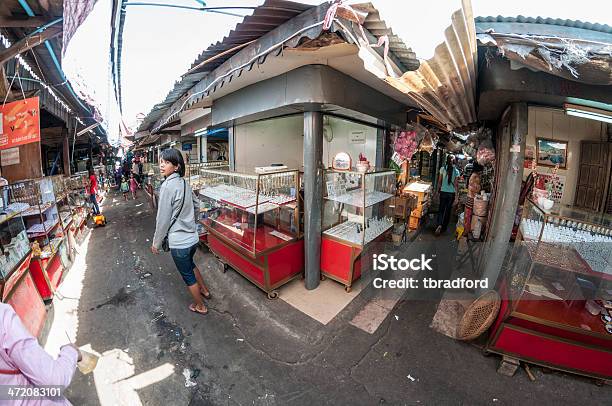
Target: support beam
column 513, row 133
column 66, row 153
column 313, row 194
column 23, row 22
column 29, row 42
column 232, row 147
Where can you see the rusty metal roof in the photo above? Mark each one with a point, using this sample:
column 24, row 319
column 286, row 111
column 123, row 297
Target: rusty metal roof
column 264, row 19
column 548, row 21
column 377, row 27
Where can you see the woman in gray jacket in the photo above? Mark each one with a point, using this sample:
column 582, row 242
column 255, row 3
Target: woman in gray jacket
column 177, row 211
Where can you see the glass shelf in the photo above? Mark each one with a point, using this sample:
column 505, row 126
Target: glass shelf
column 358, row 207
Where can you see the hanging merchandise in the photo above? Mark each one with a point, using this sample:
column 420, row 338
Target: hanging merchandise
column 427, row 144
column 469, row 150
column 454, row 146
column 406, row 144
column 486, row 153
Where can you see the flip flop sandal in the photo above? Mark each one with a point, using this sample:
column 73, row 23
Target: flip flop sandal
column 207, row 297
column 194, row 309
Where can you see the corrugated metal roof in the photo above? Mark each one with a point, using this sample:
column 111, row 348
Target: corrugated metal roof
column 549, row 21
column 264, row 19
column 377, row 27
column 41, row 61
column 445, row 85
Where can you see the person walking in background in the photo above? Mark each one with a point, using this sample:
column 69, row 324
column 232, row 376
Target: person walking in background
column 448, row 184
column 125, row 188
column 177, row 211
column 134, row 185
column 135, row 169
column 140, row 170
column 23, row 362
column 92, row 189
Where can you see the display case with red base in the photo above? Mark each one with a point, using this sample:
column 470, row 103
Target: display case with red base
column 345, row 262
column 20, row 292
column 252, row 224
column 357, row 219
column 47, row 271
column 556, row 295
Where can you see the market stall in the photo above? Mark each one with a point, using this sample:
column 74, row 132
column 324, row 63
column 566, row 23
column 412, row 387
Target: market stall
column 44, row 230
column 557, row 297
column 17, row 287
column 358, row 212
column 75, row 187
column 252, row 224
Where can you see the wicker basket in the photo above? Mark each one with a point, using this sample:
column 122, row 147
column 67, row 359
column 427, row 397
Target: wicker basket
column 479, row 316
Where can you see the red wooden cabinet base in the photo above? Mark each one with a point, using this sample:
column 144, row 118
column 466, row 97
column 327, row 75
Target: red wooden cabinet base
column 267, row 270
column 20, row 292
column 47, row 273
column 345, row 262
column 553, row 334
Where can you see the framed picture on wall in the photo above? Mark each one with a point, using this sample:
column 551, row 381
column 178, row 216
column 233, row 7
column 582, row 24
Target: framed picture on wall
column 551, row 152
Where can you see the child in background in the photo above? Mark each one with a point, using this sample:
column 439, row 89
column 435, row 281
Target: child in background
column 125, row 188
column 134, row 185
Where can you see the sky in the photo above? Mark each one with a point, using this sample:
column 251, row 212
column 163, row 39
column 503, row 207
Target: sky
column 159, row 44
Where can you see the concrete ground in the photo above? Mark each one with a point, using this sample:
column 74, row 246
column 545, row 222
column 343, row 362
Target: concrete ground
column 130, row 306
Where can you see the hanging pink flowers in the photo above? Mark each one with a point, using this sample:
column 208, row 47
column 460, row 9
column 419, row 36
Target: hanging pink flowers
column 406, row 144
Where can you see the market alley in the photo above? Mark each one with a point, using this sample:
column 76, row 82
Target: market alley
column 131, row 307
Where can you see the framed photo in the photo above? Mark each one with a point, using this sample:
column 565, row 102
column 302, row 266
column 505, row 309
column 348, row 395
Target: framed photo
column 551, row 152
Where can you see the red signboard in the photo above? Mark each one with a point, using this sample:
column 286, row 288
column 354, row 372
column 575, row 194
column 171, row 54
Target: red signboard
column 19, row 123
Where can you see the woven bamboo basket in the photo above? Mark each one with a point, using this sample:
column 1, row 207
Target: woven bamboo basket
column 479, row 316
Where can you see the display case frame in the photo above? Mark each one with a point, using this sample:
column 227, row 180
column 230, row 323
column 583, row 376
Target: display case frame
column 75, row 186
column 551, row 289
column 243, row 217
column 367, row 192
column 39, row 195
column 16, row 251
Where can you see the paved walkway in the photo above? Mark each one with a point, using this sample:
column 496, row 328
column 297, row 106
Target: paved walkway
column 131, row 307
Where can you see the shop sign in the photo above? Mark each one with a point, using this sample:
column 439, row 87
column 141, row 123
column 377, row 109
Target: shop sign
column 357, row 137
column 19, row 123
column 187, row 147
column 9, row 156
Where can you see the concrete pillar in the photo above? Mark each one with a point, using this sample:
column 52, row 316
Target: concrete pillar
column 232, row 148
column 313, row 195
column 203, row 148
column 513, row 133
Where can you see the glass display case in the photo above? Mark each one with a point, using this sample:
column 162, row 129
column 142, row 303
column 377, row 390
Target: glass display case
column 14, row 243
column 39, row 207
column 557, row 291
column 255, row 212
column 358, row 209
column 62, row 199
column 192, row 174
column 254, row 217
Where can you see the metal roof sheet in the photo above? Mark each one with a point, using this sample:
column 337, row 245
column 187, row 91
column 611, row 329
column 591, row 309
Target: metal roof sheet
column 549, row 21
column 264, row 19
column 377, row 27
